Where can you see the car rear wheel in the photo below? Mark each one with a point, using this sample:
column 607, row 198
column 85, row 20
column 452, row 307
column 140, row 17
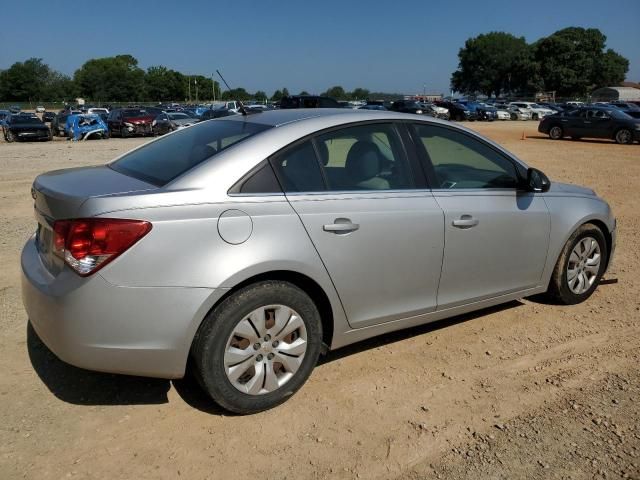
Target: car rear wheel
column 580, row 266
column 624, row 136
column 556, row 133
column 10, row 136
column 534, row 116
column 258, row 347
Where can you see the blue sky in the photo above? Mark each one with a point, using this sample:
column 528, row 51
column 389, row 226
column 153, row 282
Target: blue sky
column 392, row 46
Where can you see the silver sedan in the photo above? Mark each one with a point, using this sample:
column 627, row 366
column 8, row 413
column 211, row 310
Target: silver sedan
column 252, row 244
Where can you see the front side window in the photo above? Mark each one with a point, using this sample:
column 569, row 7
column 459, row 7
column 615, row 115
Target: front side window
column 462, row 162
column 161, row 161
column 364, row 157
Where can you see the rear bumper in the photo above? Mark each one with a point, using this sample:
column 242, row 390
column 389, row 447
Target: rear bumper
column 93, row 324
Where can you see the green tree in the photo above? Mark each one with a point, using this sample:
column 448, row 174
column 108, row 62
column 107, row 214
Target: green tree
column 24, row 81
column 573, row 61
column 236, row 94
column 304, row 92
column 111, row 79
column 359, row 94
column 493, row 63
column 260, row 96
column 285, row 92
column 277, row 96
column 163, row 84
column 336, row 92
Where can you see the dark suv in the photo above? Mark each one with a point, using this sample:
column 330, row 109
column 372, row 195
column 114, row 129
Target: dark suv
column 407, row 106
column 308, row 101
column 458, row 111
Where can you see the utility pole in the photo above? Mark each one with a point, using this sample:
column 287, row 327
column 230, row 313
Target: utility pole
column 195, row 81
column 189, row 78
column 213, row 88
column 424, row 92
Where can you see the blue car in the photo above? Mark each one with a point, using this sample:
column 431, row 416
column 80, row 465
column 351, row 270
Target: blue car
column 86, row 125
column 3, row 117
column 482, row 110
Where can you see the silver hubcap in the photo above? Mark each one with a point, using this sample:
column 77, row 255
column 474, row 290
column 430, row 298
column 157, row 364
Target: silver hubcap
column 556, row 132
column 623, row 136
column 583, row 266
column 265, row 349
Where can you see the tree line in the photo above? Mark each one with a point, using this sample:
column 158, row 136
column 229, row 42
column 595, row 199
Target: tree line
column 120, row 79
column 572, row 62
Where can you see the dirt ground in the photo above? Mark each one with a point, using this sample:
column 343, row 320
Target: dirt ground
column 526, row 390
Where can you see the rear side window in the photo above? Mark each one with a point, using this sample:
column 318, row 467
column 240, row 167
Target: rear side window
column 161, row 161
column 298, row 169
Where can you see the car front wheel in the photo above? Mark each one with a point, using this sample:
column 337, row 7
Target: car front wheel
column 258, row 347
column 580, row 267
column 624, row 136
column 10, row 136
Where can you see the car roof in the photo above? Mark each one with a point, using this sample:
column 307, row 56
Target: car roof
column 332, row 116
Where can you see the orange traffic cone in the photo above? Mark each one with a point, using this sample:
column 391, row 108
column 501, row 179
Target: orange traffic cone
column 524, row 137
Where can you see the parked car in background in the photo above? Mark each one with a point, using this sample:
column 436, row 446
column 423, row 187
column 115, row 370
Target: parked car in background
column 435, row 111
column 85, row 126
column 40, row 109
column 536, row 112
column 127, row 122
column 518, row 113
column 3, row 116
column 14, row 109
column 25, row 127
column 407, row 106
column 244, row 247
column 308, row 101
column 48, row 116
column 171, row 121
column 98, row 111
column 59, row 122
column 217, row 113
column 458, row 111
column 556, row 107
column 629, row 108
column 372, row 107
column 483, row 111
column 592, row 122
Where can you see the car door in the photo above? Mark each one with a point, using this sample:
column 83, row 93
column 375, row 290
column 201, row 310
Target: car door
column 496, row 236
column 376, row 226
column 602, row 125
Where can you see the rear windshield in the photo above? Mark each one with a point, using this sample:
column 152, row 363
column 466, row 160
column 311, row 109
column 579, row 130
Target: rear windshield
column 161, row 161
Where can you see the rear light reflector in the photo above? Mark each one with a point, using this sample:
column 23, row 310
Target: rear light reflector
column 88, row 244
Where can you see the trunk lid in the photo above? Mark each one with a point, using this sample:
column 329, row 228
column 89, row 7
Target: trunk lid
column 60, row 193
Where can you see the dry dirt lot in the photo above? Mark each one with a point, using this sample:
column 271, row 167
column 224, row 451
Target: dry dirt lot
column 526, row 390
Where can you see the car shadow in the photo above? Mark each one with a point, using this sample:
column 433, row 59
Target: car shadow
column 580, row 140
column 83, row 387
column 401, row 335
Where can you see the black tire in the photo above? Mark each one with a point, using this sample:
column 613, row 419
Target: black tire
column 209, row 346
column 123, row 132
column 534, row 116
column 624, row 136
column 559, row 290
column 9, row 136
column 556, row 132
column 514, row 116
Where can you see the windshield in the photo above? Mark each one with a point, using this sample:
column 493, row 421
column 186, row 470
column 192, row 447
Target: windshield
column 619, row 114
column 134, row 112
column 22, row 119
column 161, row 161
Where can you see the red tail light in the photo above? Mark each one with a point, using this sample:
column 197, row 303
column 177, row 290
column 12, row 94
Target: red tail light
column 88, row 244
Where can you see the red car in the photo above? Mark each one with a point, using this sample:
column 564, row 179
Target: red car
column 127, row 122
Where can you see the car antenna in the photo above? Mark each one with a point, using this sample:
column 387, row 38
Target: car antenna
column 242, row 110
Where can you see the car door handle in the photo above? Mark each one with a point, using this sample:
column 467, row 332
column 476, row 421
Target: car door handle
column 465, row 221
column 341, row 225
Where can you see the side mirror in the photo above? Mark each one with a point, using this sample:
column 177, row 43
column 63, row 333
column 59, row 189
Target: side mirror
column 537, row 181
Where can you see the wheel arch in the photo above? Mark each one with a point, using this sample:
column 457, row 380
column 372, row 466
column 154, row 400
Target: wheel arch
column 307, row 284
